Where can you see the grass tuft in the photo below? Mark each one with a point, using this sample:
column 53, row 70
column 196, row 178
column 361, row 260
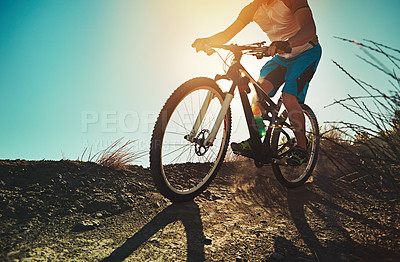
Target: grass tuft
column 115, row 156
column 376, row 143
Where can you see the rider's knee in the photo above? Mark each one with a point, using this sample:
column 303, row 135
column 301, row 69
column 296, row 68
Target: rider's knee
column 266, row 85
column 289, row 98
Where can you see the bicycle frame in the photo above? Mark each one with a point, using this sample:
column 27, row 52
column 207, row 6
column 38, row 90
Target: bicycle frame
column 240, row 79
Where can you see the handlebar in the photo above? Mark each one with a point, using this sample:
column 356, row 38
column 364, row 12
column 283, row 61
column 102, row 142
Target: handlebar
column 258, row 50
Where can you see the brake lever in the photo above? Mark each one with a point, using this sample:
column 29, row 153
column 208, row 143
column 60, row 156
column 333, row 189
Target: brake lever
column 259, row 44
column 259, row 55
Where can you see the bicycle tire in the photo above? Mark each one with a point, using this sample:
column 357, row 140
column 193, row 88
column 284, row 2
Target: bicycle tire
column 281, row 172
column 166, row 175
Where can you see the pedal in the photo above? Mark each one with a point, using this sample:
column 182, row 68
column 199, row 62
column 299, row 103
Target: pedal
column 280, row 162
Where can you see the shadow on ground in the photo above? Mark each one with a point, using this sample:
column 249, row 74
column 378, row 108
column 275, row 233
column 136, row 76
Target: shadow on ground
column 188, row 213
column 331, row 217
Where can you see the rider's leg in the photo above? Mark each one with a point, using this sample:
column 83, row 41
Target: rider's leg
column 294, row 109
column 296, row 118
column 267, row 86
column 272, row 76
column 244, row 147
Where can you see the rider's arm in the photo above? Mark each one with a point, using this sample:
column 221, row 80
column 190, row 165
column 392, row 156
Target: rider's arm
column 304, row 18
column 245, row 17
column 219, row 38
column 227, row 34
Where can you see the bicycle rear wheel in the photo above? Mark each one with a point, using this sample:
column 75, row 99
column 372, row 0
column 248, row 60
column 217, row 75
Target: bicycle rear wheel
column 181, row 169
column 282, row 143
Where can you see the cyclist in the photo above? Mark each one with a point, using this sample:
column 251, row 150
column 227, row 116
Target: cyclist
column 290, row 26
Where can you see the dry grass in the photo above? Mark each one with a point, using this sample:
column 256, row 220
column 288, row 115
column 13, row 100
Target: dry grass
column 117, row 156
column 376, row 143
column 333, row 134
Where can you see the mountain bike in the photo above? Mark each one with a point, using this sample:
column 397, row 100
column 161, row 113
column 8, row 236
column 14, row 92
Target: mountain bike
column 191, row 134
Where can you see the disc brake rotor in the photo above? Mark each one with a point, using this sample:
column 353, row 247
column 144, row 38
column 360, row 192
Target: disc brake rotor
column 199, row 148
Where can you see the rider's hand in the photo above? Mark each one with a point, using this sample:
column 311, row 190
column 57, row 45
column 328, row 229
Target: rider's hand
column 201, row 44
column 279, row 47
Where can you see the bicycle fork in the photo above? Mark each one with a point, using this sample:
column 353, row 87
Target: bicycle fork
column 261, row 155
column 221, row 115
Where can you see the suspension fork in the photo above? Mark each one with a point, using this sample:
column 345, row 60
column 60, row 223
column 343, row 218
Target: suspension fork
column 222, row 113
column 233, row 74
column 200, row 117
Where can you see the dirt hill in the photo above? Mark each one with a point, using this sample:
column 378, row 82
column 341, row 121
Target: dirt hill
column 75, row 211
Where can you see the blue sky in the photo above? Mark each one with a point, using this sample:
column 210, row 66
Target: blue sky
column 85, row 73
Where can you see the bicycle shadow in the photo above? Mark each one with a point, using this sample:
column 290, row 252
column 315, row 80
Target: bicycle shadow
column 188, row 213
column 321, row 221
column 343, row 247
column 300, row 198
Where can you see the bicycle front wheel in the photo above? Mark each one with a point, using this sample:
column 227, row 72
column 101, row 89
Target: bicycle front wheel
column 283, row 142
column 182, row 169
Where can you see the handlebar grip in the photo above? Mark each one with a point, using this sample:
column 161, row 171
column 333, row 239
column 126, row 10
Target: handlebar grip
column 288, row 49
column 282, row 46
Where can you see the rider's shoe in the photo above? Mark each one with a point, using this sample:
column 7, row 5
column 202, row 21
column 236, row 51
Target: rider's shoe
column 298, row 157
column 242, row 148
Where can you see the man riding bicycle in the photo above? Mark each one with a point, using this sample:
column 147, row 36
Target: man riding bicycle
column 290, row 26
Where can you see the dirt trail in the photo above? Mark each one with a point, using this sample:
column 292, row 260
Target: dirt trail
column 71, row 211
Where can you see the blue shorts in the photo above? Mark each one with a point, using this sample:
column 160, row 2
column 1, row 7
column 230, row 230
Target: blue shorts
column 295, row 72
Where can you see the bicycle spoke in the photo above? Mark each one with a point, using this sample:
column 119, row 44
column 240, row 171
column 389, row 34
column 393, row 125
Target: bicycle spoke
column 211, row 119
column 178, row 124
column 200, row 104
column 190, row 118
column 176, row 144
column 191, row 105
column 175, row 150
column 182, row 121
column 192, row 157
column 190, row 151
column 207, row 158
column 180, row 155
column 175, row 133
column 212, row 151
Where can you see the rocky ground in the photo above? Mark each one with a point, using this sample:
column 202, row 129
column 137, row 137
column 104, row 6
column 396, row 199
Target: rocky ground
column 75, row 211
